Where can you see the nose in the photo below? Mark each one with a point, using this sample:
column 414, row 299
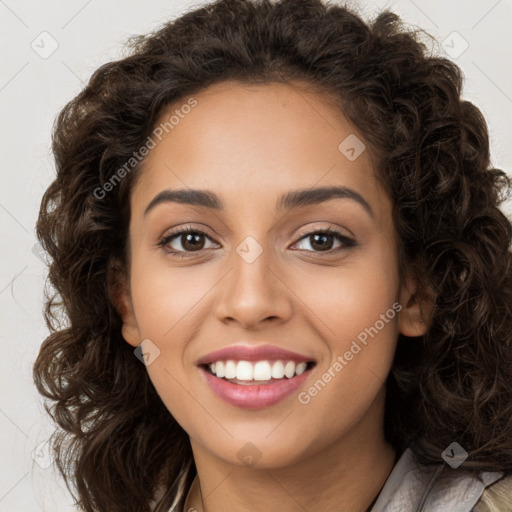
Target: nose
column 254, row 292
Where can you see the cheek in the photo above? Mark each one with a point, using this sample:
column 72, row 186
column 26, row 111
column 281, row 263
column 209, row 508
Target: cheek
column 170, row 305
column 356, row 310
column 165, row 298
column 349, row 298
column 166, row 302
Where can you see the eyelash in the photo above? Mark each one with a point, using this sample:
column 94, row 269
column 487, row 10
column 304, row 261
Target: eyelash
column 348, row 243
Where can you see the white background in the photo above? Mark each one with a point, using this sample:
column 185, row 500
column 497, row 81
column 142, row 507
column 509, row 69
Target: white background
column 32, row 92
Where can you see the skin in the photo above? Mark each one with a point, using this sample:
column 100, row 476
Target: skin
column 249, row 145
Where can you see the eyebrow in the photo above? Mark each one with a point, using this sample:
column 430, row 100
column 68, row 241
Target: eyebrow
column 290, row 200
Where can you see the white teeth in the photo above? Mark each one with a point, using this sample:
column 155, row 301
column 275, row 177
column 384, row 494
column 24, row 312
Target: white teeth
column 244, row 370
column 289, row 369
column 300, row 368
column 278, row 370
column 218, row 369
column 258, row 371
column 230, row 370
column 262, row 370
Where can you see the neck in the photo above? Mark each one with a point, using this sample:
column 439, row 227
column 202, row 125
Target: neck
column 345, row 475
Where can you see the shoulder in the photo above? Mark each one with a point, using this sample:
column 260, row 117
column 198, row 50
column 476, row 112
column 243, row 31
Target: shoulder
column 417, row 487
column 497, row 497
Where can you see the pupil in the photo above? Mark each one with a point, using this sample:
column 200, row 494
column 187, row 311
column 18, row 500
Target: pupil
column 191, row 238
column 321, row 245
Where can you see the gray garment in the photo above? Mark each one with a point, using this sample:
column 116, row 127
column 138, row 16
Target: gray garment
column 414, row 487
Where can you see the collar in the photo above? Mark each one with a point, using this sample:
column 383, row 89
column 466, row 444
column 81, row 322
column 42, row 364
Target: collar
column 417, row 487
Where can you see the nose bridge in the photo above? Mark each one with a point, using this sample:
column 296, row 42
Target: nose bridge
column 252, row 292
column 250, row 281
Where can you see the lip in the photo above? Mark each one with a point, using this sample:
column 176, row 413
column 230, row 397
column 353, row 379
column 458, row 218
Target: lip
column 248, row 353
column 253, row 396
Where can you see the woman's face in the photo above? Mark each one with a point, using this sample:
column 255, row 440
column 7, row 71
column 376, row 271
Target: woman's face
column 259, row 276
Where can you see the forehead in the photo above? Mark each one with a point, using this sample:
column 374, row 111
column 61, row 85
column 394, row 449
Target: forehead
column 247, row 141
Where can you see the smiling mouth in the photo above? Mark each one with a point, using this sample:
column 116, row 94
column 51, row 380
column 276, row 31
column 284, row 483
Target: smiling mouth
column 257, row 373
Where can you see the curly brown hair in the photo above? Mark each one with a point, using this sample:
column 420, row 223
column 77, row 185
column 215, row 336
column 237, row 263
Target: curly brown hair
column 117, row 444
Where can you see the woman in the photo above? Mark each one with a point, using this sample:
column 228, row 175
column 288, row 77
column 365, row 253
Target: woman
column 275, row 234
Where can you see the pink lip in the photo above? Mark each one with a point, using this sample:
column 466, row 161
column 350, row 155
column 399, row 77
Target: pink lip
column 247, row 353
column 252, row 396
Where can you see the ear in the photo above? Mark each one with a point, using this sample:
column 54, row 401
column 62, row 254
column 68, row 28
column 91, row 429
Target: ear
column 130, row 329
column 119, row 294
column 412, row 319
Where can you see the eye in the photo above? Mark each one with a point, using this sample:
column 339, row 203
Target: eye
column 322, row 240
column 183, row 240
